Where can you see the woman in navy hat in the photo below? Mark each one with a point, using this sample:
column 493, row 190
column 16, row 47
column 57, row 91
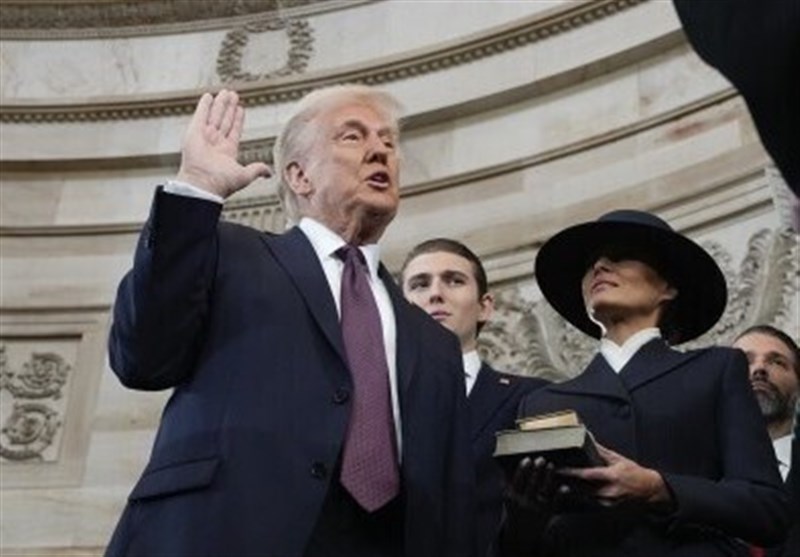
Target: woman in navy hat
column 689, row 466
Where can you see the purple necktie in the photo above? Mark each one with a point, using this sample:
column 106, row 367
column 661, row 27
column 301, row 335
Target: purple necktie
column 369, row 464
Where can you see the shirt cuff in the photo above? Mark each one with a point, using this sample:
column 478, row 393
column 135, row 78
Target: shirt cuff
column 177, row 187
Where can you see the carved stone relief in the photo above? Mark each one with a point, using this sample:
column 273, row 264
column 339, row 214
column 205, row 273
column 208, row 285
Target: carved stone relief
column 263, row 212
column 25, row 15
column 528, row 337
column 255, row 213
column 33, row 387
column 50, row 369
column 236, row 42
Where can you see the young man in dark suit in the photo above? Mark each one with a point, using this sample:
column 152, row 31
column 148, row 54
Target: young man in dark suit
column 446, row 279
column 774, row 360
column 315, row 412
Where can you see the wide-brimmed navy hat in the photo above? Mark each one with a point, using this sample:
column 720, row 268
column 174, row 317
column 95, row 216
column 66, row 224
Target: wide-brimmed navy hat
column 563, row 260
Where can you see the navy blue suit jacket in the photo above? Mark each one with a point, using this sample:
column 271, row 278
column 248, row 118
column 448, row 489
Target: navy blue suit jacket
column 493, row 405
column 243, row 325
column 792, row 546
column 693, row 417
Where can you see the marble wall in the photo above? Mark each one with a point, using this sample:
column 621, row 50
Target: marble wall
column 522, row 118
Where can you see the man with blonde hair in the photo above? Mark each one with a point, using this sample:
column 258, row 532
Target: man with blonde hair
column 315, row 412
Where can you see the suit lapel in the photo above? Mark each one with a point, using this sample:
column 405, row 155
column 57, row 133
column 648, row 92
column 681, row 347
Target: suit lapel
column 407, row 345
column 488, row 396
column 653, row 360
column 296, row 255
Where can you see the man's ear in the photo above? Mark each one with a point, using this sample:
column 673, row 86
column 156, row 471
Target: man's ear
column 297, row 179
column 487, row 307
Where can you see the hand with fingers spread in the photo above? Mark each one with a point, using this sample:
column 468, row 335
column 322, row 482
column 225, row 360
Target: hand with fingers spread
column 623, row 481
column 211, row 145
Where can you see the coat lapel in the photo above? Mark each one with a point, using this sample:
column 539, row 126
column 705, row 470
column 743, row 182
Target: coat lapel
column 653, row 360
column 296, row 255
column 407, row 345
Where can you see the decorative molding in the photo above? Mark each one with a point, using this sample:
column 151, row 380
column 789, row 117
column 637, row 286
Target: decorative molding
column 29, row 20
column 786, row 201
column 43, row 376
column 528, row 337
column 767, row 281
column 263, row 213
column 29, row 430
column 32, row 427
column 51, row 364
column 261, row 150
column 301, row 41
column 376, row 72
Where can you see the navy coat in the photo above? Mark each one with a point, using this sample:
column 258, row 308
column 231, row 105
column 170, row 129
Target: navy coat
column 243, row 325
column 693, row 417
column 493, row 405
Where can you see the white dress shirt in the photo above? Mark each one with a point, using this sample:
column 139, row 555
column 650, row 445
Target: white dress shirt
column 783, row 450
column 188, row 190
column 472, row 367
column 617, row 356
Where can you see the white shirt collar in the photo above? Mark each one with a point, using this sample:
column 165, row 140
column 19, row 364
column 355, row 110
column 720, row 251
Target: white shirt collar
column 325, row 243
column 472, row 366
column 618, row 356
column 783, row 450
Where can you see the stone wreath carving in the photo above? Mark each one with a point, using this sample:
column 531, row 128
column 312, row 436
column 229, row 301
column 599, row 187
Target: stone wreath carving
column 301, row 42
column 530, row 338
column 42, row 377
column 31, row 427
column 28, row 431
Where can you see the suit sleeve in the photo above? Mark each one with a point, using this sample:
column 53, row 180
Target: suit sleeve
column 162, row 303
column 748, row 501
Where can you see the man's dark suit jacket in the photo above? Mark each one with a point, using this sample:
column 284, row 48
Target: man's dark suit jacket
column 792, row 546
column 244, row 326
column 693, row 417
column 493, row 405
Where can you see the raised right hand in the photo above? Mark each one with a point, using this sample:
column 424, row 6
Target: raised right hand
column 211, row 145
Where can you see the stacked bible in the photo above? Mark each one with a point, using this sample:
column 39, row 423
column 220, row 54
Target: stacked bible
column 560, row 437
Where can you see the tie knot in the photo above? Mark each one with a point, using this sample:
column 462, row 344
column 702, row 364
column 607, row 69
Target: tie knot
column 350, row 253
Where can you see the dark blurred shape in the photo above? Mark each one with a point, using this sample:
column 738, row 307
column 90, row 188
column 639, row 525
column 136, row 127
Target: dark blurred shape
column 756, row 45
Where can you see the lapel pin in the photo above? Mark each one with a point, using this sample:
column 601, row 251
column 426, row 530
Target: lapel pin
column 505, row 381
